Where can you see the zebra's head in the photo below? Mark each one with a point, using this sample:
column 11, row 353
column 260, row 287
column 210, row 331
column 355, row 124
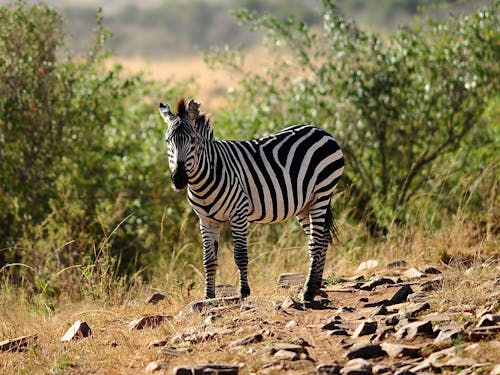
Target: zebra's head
column 183, row 143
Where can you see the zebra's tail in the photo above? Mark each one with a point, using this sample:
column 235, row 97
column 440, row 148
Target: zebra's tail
column 331, row 226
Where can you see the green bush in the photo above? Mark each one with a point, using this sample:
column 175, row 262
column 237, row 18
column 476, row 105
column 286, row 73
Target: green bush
column 83, row 164
column 401, row 107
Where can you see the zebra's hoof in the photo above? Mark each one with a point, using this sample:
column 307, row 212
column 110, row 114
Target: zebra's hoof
column 308, row 296
column 245, row 292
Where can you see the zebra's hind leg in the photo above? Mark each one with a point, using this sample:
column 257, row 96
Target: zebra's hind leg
column 318, row 245
column 239, row 230
column 210, row 235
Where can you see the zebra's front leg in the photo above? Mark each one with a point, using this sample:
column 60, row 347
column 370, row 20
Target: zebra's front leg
column 239, row 230
column 318, row 246
column 210, row 236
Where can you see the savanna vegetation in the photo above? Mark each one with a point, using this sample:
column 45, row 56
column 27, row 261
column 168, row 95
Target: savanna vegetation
column 86, row 209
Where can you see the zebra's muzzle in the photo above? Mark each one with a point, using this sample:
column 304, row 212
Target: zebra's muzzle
column 179, row 177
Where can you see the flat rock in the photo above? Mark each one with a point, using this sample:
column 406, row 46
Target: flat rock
column 376, row 281
column 171, row 351
column 148, row 321
column 368, row 265
column 413, row 273
column 431, row 271
column 437, row 317
column 396, row 350
column 411, row 330
column 155, row 298
column 287, row 354
column 338, row 332
column 481, row 333
column 250, row 339
column 78, row 330
column 397, row 264
column 488, row 320
column 413, row 309
column 291, row 324
column 290, row 303
column 288, row 280
column 157, row 343
column 357, row 366
column 328, row 369
column 447, row 335
column 156, row 366
column 18, row 344
column 381, row 369
column 365, row 350
column 209, row 369
column 365, row 328
column 380, row 310
column 199, row 306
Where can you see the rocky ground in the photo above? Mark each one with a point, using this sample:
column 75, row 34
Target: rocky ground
column 394, row 322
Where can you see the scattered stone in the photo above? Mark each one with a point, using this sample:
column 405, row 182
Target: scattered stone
column 299, row 341
column 156, row 366
column 431, row 285
column 364, row 299
column 396, row 350
column 357, row 366
column 397, row 264
column 19, row 344
column 431, row 271
column 365, row 350
column 299, row 349
column 210, row 369
column 290, row 303
column 481, row 333
column 288, row 280
column 291, row 324
column 414, row 309
column 199, row 306
column 287, row 354
column 381, row 368
column 157, row 343
column 436, row 317
column 413, row 273
column 418, row 297
column 486, row 310
column 411, row 330
column 401, row 295
column 488, row 320
column 382, row 335
column 447, row 335
column 328, row 369
column 380, row 310
column 392, row 319
column 376, row 281
column 365, row 328
column 368, row 265
column 250, row 339
column 155, row 298
column 148, row 321
column 77, row 331
column 345, row 309
column 338, row 332
column 455, row 362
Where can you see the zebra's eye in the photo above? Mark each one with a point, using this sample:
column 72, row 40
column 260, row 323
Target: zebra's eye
column 192, row 141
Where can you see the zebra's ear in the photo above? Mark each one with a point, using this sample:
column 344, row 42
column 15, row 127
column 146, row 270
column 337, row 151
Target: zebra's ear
column 193, row 111
column 165, row 112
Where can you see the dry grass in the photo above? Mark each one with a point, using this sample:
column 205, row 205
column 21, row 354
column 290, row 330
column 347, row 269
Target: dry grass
column 470, row 280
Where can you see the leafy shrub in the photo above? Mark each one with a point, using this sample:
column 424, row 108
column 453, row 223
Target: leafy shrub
column 401, row 107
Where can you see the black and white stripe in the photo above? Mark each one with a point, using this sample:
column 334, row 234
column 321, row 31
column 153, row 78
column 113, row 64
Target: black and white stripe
column 289, row 173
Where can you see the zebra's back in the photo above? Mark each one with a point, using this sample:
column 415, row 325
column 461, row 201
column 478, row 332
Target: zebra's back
column 284, row 172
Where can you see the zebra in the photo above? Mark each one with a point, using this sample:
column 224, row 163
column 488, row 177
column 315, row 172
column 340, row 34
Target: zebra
column 289, row 173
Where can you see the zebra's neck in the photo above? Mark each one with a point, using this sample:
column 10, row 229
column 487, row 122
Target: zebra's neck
column 208, row 168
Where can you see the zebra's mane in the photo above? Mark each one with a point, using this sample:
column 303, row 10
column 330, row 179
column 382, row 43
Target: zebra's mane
column 192, row 115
